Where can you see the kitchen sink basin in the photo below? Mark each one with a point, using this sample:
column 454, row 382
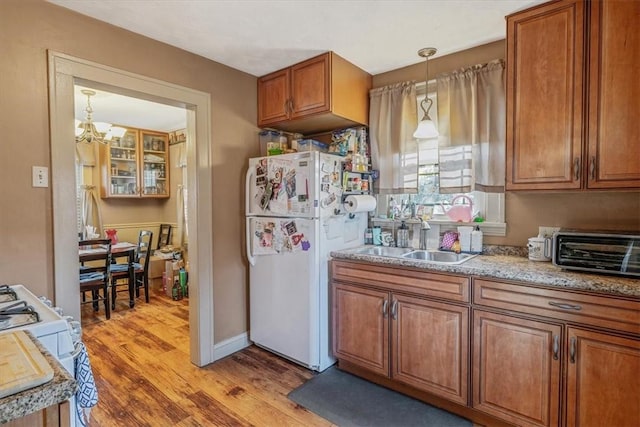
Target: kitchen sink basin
column 438, row 256
column 389, row 251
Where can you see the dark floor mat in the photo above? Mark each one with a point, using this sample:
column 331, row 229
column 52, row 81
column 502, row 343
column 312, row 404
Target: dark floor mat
column 347, row 400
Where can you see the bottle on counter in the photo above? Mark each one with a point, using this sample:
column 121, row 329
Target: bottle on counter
column 403, row 236
column 476, row 240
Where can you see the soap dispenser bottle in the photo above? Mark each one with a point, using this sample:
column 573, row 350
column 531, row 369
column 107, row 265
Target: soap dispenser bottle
column 403, row 236
column 476, row 240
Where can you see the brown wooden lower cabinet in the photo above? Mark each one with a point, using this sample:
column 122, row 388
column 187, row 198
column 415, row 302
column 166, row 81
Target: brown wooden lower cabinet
column 409, row 338
column 516, row 368
column 603, row 379
column 361, row 328
column 430, row 348
column 507, row 353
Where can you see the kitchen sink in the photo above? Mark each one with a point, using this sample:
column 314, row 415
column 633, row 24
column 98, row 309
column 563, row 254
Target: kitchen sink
column 438, row 256
column 389, row 251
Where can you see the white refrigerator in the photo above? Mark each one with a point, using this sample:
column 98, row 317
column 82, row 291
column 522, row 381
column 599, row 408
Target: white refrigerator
column 294, row 219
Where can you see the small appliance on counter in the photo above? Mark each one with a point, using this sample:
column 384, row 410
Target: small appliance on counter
column 612, row 252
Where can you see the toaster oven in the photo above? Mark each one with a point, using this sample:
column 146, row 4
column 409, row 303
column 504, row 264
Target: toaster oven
column 611, row 252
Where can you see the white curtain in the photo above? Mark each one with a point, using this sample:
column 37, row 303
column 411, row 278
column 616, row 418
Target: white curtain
column 393, row 117
column 181, row 233
column 471, row 123
column 90, row 210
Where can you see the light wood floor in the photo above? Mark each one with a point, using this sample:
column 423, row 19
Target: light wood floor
column 140, row 360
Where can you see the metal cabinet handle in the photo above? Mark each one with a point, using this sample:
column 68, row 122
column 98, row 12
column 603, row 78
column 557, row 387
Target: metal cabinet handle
column 576, row 168
column 394, row 309
column 572, row 350
column 290, row 105
column 565, row 306
column 592, row 167
column 556, row 346
column 286, row 107
column 385, row 304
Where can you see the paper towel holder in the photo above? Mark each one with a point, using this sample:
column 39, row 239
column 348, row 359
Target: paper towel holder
column 351, row 215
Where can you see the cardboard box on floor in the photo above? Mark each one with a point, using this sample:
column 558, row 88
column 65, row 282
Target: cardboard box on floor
column 172, row 270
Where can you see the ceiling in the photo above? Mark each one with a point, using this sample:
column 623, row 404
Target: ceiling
column 126, row 111
column 261, row 36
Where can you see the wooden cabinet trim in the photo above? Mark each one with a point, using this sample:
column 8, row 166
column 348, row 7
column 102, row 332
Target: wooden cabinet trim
column 520, row 388
column 455, row 288
column 274, row 93
column 595, row 310
column 368, row 348
column 440, row 364
column 553, row 139
column 600, row 385
column 310, row 82
column 614, row 152
column 332, row 94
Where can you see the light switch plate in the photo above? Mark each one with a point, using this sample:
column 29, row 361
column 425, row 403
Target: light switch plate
column 40, row 176
column 547, row 231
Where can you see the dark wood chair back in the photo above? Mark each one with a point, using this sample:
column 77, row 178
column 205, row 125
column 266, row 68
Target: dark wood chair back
column 164, row 238
column 95, row 276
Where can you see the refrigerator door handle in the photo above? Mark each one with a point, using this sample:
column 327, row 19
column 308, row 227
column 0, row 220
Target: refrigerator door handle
column 247, row 190
column 251, row 258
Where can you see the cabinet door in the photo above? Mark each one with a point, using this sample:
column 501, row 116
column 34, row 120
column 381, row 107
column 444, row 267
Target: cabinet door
column 603, row 382
column 361, row 327
column 516, row 368
column 544, row 97
column 120, row 167
column 310, row 86
column 273, row 97
column 155, row 164
column 614, row 103
column 430, row 346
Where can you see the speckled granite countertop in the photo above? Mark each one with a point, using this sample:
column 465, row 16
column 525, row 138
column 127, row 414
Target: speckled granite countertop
column 26, row 402
column 511, row 263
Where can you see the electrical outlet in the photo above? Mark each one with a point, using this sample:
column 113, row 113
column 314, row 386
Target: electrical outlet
column 547, row 231
column 40, row 176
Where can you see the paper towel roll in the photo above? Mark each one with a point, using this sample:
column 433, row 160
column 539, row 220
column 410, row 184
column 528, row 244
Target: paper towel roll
column 361, row 203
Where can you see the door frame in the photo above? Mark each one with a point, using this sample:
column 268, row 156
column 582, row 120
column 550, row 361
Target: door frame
column 65, row 71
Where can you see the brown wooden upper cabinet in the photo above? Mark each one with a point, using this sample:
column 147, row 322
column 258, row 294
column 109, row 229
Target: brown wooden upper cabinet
column 572, row 98
column 136, row 166
column 322, row 93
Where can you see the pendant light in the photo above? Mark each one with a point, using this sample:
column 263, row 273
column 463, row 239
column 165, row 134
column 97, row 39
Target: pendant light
column 426, row 127
column 90, row 131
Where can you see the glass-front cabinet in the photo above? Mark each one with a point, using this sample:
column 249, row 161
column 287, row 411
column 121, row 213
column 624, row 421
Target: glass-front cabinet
column 155, row 163
column 136, row 165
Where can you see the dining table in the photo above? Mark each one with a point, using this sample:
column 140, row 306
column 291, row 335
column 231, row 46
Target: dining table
column 118, row 250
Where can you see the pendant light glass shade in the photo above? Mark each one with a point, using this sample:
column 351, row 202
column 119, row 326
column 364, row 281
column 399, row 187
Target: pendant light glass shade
column 90, row 131
column 426, row 127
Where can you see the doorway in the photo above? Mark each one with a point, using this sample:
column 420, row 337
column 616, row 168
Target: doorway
column 64, row 72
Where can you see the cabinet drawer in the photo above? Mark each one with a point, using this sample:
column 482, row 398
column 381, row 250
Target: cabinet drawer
column 445, row 286
column 601, row 311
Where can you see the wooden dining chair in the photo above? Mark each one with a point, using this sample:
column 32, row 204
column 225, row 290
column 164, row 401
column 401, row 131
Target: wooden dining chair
column 120, row 271
column 95, row 276
column 164, row 238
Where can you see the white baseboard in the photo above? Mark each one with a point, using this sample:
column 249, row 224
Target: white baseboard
column 230, row 346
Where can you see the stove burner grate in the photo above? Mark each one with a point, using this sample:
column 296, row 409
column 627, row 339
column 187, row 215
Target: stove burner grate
column 17, row 314
column 7, row 294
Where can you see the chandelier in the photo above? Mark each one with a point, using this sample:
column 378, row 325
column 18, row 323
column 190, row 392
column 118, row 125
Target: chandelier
column 426, row 127
column 90, row 131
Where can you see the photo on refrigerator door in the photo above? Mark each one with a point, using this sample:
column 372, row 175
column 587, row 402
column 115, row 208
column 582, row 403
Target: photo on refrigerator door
column 280, row 187
column 273, row 236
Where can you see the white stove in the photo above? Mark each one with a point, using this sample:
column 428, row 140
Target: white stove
column 51, row 329
column 54, row 331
